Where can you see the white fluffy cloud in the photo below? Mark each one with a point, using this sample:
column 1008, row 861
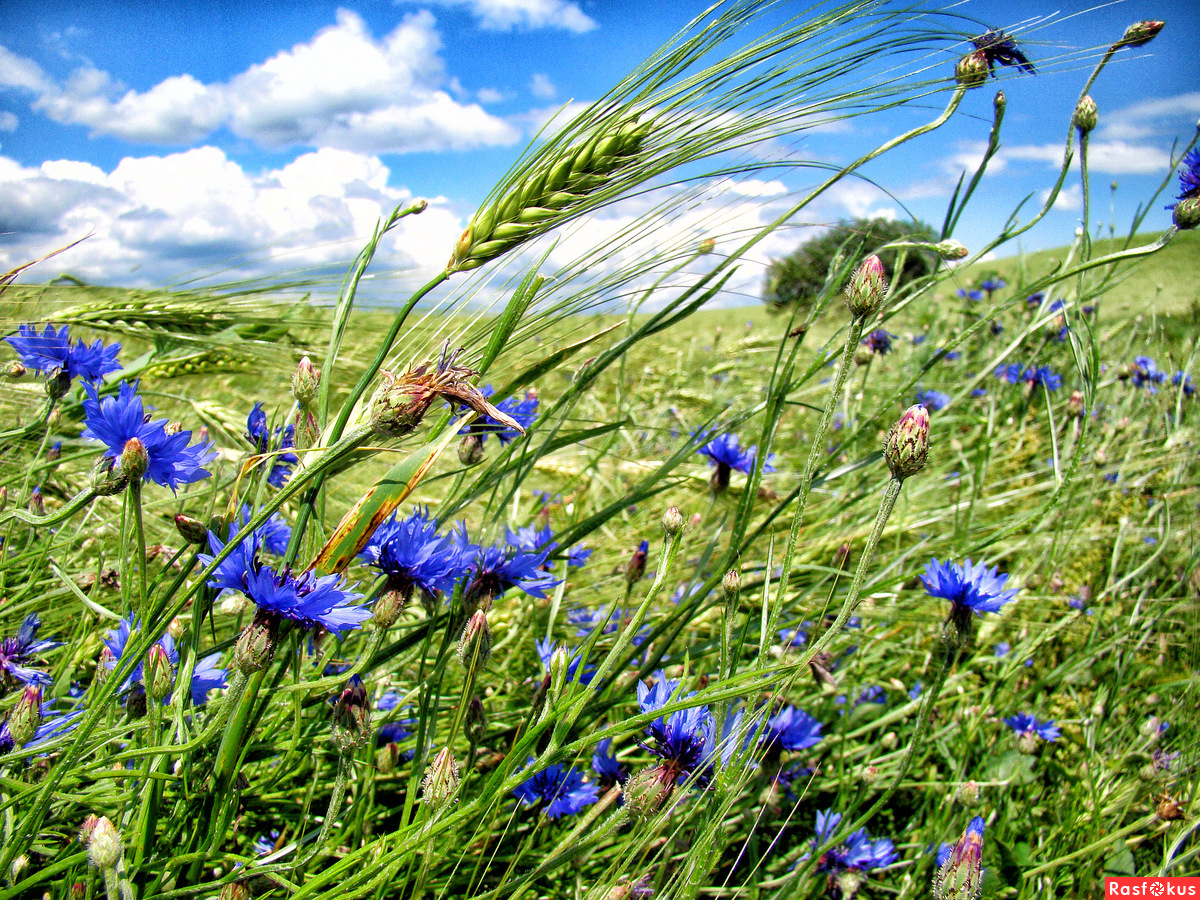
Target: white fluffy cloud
column 344, row 89
column 1149, row 117
column 155, row 217
column 510, row 15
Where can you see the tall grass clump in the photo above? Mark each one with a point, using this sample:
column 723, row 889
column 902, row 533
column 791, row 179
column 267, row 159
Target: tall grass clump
column 481, row 596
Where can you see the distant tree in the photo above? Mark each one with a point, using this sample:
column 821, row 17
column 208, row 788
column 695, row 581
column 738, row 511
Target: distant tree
column 799, row 277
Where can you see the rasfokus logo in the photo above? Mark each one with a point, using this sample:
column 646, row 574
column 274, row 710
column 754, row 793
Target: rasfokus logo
column 1152, row 887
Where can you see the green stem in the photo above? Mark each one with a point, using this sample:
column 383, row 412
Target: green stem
column 139, row 531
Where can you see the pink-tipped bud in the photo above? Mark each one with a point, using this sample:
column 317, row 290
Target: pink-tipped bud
column 731, row 584
column 672, row 521
column 352, row 716
column 867, row 288
column 134, row 459
column 961, row 875
column 440, row 784
column 972, row 70
column 158, row 676
column 475, row 643
column 906, row 447
column 26, row 716
column 1140, row 33
column 1075, row 404
column 16, row 369
column 103, row 843
column 305, row 382
column 706, row 246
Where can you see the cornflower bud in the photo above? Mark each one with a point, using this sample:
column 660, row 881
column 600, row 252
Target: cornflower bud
column 646, row 791
column 305, row 382
column 706, row 246
column 441, row 781
column 108, row 478
column 476, row 721
column 863, row 356
column 16, row 369
column 176, row 629
column 961, row 875
column 134, row 459
column 157, row 675
column 972, row 70
column 1086, row 115
column 889, row 740
column 672, row 521
column 26, row 716
column 967, row 793
column 1140, row 33
column 951, row 249
column 191, row 530
column 470, row 449
column 906, row 446
column 731, row 584
column 475, row 643
column 17, row 869
column 3, row 497
column 37, row 503
column 58, row 383
column 351, row 716
column 387, row 609
column 1075, row 404
column 1187, row 214
column 255, row 646
column 635, row 568
column 135, row 701
column 103, row 843
column 386, row 758
column 55, row 452
column 235, row 890
column 867, row 288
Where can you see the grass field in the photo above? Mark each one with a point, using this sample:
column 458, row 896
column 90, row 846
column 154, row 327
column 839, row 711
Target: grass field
column 947, row 605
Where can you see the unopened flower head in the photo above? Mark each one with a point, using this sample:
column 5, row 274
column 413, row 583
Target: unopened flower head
column 440, row 785
column 906, row 447
column 352, row 716
column 960, row 876
column 1086, row 115
column 1140, row 33
column 635, row 566
column 306, row 381
column 867, row 288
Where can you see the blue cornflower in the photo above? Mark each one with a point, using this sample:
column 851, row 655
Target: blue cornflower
column 790, row 729
column 585, row 620
column 1025, row 724
column 971, row 294
column 996, row 328
column 412, row 554
column 860, row 852
column 51, row 350
column 951, row 355
column 117, row 420
column 1015, row 373
column 1145, row 373
column 15, row 651
column 307, row 599
column 681, row 740
column 523, row 411
column 1001, row 649
column 261, row 439
column 991, row 285
column 563, row 790
column 794, row 637
column 934, row 400
column 606, row 765
column 724, row 453
column 496, row 569
column 919, row 339
column 1189, row 177
column 969, row 588
column 206, row 675
column 1182, row 378
column 879, row 341
column 393, row 732
column 545, row 652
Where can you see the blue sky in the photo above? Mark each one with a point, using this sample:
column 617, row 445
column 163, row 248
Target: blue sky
column 264, row 138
